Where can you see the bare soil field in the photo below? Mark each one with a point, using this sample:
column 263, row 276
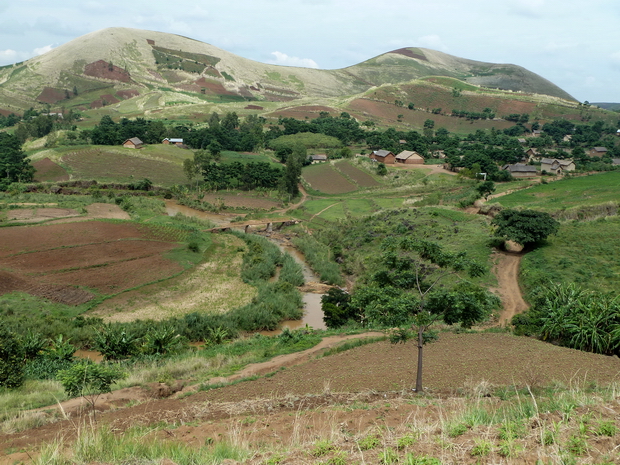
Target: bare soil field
column 187, row 293
column 325, row 178
column 362, row 178
column 122, row 166
column 47, row 170
column 350, row 394
column 108, row 257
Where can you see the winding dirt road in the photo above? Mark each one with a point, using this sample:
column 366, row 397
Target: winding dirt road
column 507, row 271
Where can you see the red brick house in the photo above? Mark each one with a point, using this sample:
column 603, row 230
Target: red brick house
column 383, row 156
column 408, row 157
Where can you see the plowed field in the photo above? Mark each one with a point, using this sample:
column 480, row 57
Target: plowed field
column 54, row 260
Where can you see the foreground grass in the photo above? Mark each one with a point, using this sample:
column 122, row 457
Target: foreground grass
column 484, row 424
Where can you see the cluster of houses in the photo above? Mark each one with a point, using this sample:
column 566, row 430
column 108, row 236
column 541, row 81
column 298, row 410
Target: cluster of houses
column 553, row 166
column 406, row 157
column 136, row 143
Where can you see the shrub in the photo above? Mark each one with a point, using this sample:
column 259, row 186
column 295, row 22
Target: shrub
column 11, row 359
column 89, row 380
column 115, row 342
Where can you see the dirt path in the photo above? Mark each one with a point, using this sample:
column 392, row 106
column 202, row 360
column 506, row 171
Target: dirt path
column 507, row 271
column 116, row 399
column 326, row 208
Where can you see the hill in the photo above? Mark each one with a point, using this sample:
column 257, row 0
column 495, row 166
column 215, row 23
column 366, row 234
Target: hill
column 156, row 70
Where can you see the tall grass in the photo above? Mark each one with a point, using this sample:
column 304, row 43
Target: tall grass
column 319, row 257
column 102, row 445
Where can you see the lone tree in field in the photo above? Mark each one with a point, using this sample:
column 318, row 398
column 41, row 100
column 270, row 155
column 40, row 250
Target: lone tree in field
column 525, row 227
column 89, row 380
column 416, row 268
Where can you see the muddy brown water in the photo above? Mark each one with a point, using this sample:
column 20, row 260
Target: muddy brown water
column 313, row 315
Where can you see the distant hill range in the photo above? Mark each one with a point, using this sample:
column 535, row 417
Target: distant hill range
column 137, row 71
column 608, row 105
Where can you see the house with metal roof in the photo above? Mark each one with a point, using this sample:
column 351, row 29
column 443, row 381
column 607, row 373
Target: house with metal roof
column 556, row 166
column 520, row 170
column 383, row 156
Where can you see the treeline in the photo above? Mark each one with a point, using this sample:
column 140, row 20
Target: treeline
column 245, row 176
column 227, row 133
column 487, row 113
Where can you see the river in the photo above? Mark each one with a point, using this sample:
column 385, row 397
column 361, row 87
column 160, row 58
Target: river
column 313, row 315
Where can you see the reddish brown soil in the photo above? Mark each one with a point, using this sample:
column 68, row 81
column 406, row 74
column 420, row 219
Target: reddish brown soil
column 46, row 170
column 51, row 95
column 362, row 178
column 507, row 272
column 211, row 87
column 51, row 260
column 326, row 179
column 103, row 70
column 379, row 376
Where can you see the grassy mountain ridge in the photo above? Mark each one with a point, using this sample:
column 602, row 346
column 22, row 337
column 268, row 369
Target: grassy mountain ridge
column 117, row 64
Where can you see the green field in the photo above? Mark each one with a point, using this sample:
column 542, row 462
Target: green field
column 115, row 165
column 566, row 193
column 242, row 157
column 584, row 252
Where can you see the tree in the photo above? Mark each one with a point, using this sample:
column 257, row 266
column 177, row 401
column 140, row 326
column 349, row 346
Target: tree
column 89, row 380
column 14, row 166
column 12, row 359
column 525, row 227
column 486, row 188
column 410, row 288
column 292, row 173
column 381, row 169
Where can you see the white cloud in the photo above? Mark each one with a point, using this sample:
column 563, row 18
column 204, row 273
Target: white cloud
column 285, row 60
column 8, row 54
column 42, row 50
column 433, row 41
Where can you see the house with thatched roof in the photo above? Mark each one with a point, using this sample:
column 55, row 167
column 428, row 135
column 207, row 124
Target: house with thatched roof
column 408, row 157
column 133, row 143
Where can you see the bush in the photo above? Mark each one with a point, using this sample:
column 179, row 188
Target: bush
column 115, row 342
column 89, row 380
column 11, row 359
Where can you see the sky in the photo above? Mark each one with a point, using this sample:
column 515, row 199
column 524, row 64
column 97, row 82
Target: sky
column 575, row 45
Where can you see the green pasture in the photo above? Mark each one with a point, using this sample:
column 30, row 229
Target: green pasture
column 583, row 252
column 566, row 193
column 245, row 157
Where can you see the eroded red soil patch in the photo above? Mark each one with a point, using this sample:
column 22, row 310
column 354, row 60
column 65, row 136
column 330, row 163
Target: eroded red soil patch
column 104, row 70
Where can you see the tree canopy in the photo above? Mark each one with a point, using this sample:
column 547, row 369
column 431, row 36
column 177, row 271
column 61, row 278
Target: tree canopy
column 525, row 227
column 14, row 166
